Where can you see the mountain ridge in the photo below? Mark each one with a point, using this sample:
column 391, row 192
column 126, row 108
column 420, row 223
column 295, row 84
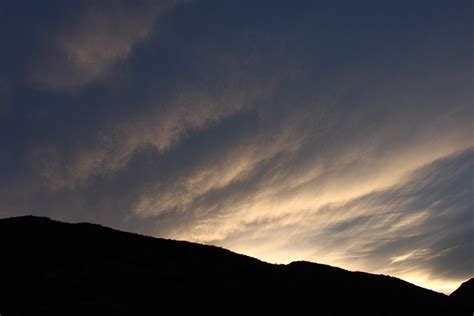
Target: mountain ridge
column 49, row 266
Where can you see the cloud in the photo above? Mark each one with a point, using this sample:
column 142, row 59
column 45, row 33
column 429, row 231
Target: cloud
column 295, row 164
column 86, row 47
column 419, row 229
column 164, row 123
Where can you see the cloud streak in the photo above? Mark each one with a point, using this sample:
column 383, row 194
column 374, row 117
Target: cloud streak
column 87, row 46
column 415, row 229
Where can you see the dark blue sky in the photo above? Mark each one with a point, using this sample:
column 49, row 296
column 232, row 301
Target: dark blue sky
column 332, row 131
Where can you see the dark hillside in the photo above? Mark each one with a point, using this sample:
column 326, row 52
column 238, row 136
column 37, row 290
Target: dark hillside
column 48, row 267
column 464, row 296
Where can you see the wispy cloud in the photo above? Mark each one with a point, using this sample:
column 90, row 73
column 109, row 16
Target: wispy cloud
column 191, row 109
column 87, row 45
column 415, row 229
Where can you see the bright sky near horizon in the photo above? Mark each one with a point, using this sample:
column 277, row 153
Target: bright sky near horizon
column 339, row 132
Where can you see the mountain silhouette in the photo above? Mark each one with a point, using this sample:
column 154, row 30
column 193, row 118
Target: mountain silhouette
column 54, row 268
column 464, row 296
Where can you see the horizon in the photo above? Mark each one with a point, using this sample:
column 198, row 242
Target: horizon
column 327, row 131
column 445, row 290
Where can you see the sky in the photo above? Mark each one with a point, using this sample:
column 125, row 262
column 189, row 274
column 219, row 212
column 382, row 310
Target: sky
column 338, row 132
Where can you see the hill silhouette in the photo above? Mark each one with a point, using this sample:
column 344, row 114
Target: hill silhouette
column 54, row 268
column 464, row 296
